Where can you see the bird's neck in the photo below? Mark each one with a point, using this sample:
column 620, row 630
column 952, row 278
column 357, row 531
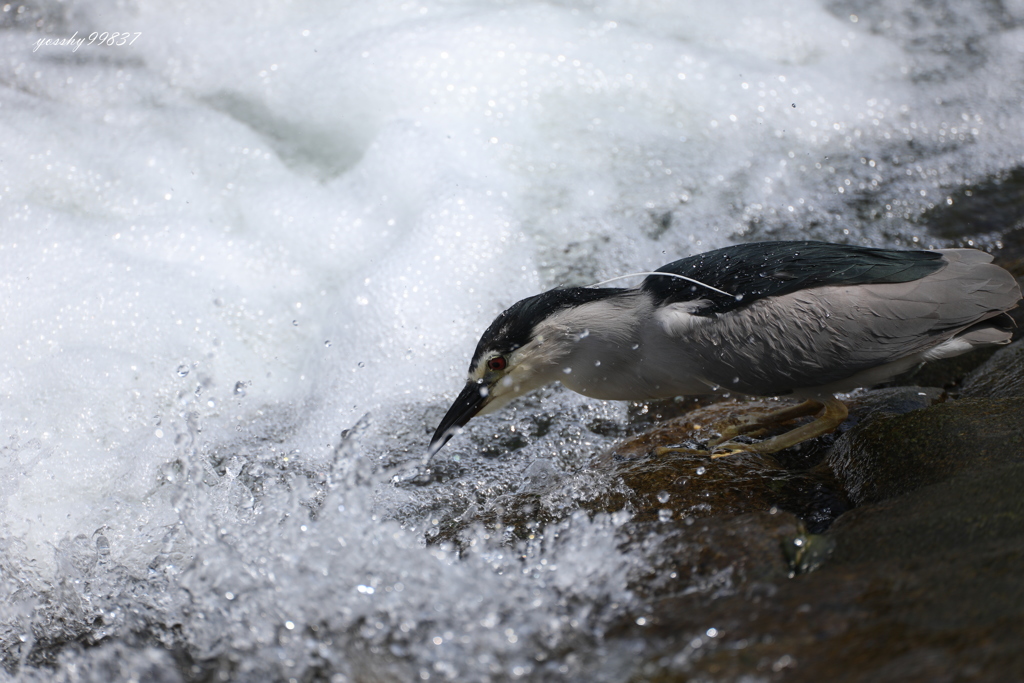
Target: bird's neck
column 612, row 320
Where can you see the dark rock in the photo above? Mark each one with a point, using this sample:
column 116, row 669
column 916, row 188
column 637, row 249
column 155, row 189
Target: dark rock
column 680, row 485
column 894, row 455
column 948, row 372
column 687, row 482
column 889, row 401
column 978, row 507
column 1002, row 376
column 987, row 207
column 1009, row 253
column 920, row 583
column 715, row 556
column 922, row 588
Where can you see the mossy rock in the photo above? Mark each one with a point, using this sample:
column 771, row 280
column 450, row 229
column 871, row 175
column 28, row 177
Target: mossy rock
column 893, row 455
column 1002, row 376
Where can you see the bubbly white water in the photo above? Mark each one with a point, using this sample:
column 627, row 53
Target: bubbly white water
column 261, row 225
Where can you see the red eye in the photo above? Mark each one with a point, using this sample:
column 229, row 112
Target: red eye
column 497, row 363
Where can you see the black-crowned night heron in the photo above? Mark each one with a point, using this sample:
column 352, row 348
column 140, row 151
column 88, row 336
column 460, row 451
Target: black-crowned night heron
column 805, row 319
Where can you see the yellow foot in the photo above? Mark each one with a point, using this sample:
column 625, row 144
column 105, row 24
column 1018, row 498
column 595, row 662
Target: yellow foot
column 663, row 450
column 754, row 426
column 733, row 448
column 832, row 415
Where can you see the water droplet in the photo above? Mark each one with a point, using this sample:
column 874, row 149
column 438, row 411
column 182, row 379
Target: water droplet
column 327, row 343
column 597, row 363
column 295, row 323
column 240, row 388
column 735, row 380
column 664, row 496
column 182, row 370
column 567, row 371
column 664, row 515
column 636, row 346
column 361, row 364
column 701, row 470
column 102, row 545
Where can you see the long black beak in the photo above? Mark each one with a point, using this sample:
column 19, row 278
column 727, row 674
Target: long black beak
column 470, row 402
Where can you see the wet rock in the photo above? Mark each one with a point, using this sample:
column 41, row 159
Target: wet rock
column 688, row 482
column 919, row 583
column 893, row 455
column 681, row 485
column 924, row 587
column 948, row 372
column 1002, row 376
column 1011, row 254
column 975, row 508
column 889, row 401
column 987, row 207
column 695, row 561
column 657, row 486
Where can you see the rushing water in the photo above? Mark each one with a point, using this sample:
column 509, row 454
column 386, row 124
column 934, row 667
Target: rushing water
column 244, row 260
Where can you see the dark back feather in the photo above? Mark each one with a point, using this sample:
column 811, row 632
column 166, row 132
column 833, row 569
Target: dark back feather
column 761, row 269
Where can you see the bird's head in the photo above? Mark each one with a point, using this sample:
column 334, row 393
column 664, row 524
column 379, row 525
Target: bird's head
column 524, row 349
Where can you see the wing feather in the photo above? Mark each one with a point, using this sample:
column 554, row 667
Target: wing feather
column 750, row 272
column 822, row 335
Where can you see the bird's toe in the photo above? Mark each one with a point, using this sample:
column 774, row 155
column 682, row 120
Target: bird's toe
column 733, row 448
column 729, row 433
column 664, row 450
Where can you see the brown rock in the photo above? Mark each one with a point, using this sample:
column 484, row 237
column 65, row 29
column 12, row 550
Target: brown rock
column 922, row 588
column 893, row 455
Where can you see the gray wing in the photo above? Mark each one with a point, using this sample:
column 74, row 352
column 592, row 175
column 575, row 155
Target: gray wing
column 819, row 336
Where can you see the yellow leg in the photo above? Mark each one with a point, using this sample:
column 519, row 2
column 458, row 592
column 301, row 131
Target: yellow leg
column 754, row 424
column 662, row 450
column 833, row 415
